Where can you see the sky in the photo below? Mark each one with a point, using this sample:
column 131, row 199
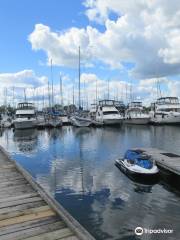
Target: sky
column 131, row 47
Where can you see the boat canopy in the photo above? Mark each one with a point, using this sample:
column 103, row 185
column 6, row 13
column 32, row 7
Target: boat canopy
column 138, row 157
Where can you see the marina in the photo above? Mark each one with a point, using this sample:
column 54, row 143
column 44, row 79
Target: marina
column 89, row 120
column 76, row 166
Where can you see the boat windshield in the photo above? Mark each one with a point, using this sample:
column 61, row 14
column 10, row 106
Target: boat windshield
column 110, row 112
column 25, row 115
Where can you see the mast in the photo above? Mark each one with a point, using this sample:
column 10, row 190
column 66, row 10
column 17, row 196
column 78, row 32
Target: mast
column 13, row 96
column 52, row 86
column 79, row 78
column 96, row 91
column 24, row 94
column 49, row 98
column 61, row 90
column 73, row 94
column 108, row 88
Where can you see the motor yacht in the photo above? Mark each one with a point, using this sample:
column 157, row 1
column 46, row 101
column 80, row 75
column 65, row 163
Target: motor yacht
column 25, row 116
column 107, row 113
column 135, row 114
column 166, row 110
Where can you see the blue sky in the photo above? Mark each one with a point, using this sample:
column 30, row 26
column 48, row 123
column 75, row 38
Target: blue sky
column 123, row 42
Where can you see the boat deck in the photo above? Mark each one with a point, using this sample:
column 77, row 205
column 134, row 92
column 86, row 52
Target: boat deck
column 164, row 159
column 28, row 212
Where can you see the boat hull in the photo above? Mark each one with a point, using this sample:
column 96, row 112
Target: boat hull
column 137, row 121
column 139, row 175
column 166, row 120
column 25, row 124
column 80, row 122
column 112, row 121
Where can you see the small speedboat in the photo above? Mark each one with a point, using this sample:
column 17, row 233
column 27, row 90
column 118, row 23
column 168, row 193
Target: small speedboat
column 137, row 163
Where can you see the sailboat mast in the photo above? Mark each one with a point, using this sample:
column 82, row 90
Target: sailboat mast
column 61, row 90
column 79, row 78
column 24, row 94
column 52, row 86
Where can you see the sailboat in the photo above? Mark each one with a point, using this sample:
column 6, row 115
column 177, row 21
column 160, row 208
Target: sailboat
column 78, row 120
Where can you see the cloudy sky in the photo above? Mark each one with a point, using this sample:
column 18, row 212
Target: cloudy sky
column 132, row 45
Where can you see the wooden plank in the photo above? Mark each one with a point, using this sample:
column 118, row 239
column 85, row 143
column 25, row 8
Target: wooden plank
column 34, row 231
column 27, row 225
column 23, row 212
column 21, row 186
column 12, row 183
column 25, row 218
column 19, row 202
column 21, row 207
column 18, row 192
column 18, row 197
column 7, row 165
column 59, row 234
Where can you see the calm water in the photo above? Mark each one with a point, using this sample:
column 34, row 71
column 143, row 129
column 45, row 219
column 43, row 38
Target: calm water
column 77, row 166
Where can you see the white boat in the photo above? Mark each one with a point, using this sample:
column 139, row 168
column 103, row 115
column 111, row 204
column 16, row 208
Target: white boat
column 166, row 110
column 135, row 114
column 64, row 118
column 107, row 113
column 25, row 116
column 80, row 121
column 92, row 116
column 137, row 164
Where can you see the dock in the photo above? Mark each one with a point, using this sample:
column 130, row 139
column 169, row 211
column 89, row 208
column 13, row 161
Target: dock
column 28, row 212
column 164, row 159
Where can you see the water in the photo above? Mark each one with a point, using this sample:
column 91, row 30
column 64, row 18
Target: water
column 77, row 166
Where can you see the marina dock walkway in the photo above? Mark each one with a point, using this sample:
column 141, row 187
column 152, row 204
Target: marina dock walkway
column 28, row 212
column 165, row 159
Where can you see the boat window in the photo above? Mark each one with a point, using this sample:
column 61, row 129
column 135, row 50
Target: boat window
column 110, row 112
column 24, row 115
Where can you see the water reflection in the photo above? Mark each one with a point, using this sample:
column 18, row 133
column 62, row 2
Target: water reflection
column 77, row 165
column 25, row 140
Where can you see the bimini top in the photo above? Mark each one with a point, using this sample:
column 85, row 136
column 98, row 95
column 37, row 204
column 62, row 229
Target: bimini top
column 168, row 100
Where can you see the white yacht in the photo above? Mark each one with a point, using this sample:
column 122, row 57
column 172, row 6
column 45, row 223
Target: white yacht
column 135, row 114
column 107, row 113
column 166, row 110
column 25, row 116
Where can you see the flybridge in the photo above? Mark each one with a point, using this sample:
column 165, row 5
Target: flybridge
column 25, row 105
column 168, row 100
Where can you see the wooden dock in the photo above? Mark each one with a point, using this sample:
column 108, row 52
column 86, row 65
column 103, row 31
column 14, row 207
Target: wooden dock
column 165, row 159
column 28, row 212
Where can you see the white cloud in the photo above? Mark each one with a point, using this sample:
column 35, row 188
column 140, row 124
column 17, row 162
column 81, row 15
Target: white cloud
column 22, row 79
column 146, row 33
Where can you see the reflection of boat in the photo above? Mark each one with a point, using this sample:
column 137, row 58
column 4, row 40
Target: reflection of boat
column 26, row 139
column 136, row 163
column 25, row 116
column 80, row 121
